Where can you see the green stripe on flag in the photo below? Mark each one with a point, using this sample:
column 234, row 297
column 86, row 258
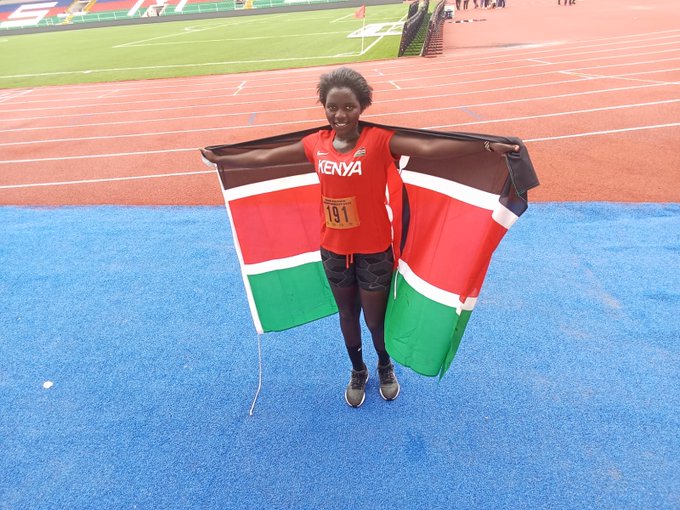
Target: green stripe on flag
column 286, row 298
column 421, row 333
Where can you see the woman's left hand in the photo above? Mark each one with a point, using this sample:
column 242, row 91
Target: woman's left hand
column 503, row 148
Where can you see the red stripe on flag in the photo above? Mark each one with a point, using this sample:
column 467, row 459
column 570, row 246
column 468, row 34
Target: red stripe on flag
column 278, row 224
column 450, row 242
column 360, row 12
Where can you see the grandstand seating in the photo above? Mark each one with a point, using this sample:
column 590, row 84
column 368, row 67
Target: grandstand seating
column 23, row 14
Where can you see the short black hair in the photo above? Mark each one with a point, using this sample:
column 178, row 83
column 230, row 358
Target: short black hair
column 346, row 78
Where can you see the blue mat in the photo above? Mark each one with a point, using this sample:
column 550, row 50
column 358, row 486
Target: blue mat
column 564, row 393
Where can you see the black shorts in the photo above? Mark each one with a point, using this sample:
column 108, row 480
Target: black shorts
column 371, row 271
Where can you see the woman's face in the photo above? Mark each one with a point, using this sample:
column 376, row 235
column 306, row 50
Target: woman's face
column 342, row 111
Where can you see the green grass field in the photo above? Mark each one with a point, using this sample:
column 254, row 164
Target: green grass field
column 210, row 46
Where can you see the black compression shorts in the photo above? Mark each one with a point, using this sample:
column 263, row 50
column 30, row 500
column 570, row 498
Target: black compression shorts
column 371, row 271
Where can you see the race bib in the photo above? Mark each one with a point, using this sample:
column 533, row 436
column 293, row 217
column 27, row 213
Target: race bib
column 341, row 212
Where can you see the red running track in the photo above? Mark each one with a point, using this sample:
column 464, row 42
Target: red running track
column 593, row 90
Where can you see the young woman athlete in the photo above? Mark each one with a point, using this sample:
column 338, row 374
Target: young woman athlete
column 351, row 161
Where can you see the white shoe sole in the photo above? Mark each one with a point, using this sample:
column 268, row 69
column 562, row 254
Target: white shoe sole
column 393, row 398
column 363, row 399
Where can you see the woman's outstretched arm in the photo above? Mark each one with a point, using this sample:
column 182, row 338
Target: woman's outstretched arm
column 293, row 153
column 433, row 148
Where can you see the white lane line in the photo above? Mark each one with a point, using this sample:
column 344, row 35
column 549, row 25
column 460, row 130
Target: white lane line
column 110, row 179
column 108, row 94
column 428, row 86
column 304, row 121
column 240, row 87
column 168, row 66
column 159, row 176
column 395, row 85
column 539, row 61
column 462, row 56
column 94, row 156
column 288, row 110
column 598, row 133
column 559, row 114
column 183, row 99
column 10, row 96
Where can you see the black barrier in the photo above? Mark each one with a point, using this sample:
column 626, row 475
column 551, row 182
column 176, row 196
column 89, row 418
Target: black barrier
column 413, row 24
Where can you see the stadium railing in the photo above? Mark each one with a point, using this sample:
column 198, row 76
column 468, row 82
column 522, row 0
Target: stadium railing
column 413, row 24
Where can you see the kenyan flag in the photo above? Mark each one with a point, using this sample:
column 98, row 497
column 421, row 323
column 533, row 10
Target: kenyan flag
column 448, row 217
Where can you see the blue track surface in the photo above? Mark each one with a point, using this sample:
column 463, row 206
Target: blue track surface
column 564, row 394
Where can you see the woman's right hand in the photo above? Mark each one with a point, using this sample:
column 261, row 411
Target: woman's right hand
column 210, row 156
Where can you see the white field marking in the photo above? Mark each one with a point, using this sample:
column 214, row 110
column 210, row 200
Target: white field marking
column 240, row 87
column 342, row 18
column 278, row 264
column 110, row 179
column 626, row 76
column 428, row 87
column 169, row 66
column 580, row 75
column 622, row 77
column 378, row 72
column 9, row 96
column 539, row 61
column 493, row 103
column 598, row 133
column 288, row 110
column 378, row 30
column 226, row 39
column 192, row 30
column 434, row 293
column 91, row 156
column 558, row 114
column 108, row 94
column 395, row 85
column 379, row 37
column 290, row 122
column 132, row 89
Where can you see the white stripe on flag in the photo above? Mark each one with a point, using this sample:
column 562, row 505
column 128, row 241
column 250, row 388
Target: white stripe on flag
column 258, row 188
column 246, row 283
column 434, row 293
column 473, row 196
column 277, row 264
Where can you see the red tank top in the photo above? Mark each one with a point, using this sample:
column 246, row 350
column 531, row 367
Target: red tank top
column 354, row 215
